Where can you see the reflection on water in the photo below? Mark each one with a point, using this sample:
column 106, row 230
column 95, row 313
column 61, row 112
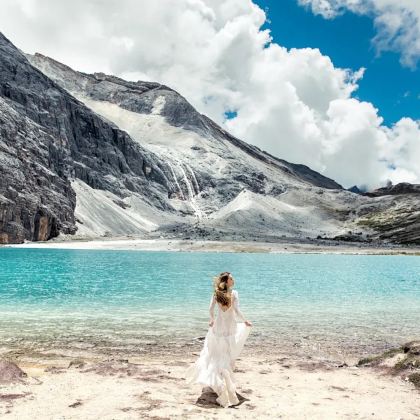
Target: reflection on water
column 132, row 301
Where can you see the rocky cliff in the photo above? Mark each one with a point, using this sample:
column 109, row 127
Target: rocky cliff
column 47, row 138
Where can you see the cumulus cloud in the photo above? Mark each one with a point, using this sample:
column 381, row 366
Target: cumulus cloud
column 293, row 103
column 397, row 22
column 402, row 151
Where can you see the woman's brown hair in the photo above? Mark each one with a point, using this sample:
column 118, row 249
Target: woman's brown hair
column 221, row 288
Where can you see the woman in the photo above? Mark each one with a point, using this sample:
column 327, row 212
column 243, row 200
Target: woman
column 223, row 343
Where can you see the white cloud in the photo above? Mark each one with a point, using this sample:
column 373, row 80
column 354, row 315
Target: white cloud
column 293, row 103
column 397, row 22
column 402, row 150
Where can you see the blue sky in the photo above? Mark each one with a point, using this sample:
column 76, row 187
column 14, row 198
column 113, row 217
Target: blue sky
column 390, row 87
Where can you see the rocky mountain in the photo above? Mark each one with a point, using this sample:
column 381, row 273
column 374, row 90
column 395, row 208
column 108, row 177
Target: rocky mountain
column 95, row 155
column 47, row 139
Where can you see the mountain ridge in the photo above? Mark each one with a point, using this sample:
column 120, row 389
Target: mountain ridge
column 200, row 122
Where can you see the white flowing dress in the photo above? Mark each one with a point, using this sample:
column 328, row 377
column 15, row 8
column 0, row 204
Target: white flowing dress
column 222, row 345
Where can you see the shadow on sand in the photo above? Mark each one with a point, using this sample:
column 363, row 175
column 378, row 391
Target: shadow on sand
column 207, row 399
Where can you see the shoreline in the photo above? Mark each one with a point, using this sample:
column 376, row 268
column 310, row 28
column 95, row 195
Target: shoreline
column 300, row 348
column 191, row 245
column 43, row 355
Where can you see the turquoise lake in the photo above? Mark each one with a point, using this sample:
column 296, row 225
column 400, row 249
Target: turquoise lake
column 138, row 301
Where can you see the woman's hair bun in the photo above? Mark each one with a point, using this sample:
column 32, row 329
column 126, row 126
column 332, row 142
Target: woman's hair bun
column 220, row 289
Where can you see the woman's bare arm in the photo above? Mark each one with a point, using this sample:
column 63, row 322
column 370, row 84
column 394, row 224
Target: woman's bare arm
column 211, row 309
column 236, row 306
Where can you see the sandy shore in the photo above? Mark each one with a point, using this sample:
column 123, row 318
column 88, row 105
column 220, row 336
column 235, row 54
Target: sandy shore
column 155, row 388
column 316, row 246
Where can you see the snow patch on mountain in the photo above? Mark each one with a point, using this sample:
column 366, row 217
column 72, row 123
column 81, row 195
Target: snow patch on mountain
column 158, row 105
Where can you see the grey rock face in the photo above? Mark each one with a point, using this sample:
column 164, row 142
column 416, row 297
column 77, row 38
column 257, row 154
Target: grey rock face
column 400, row 188
column 47, row 137
column 133, row 96
column 36, row 201
column 394, row 218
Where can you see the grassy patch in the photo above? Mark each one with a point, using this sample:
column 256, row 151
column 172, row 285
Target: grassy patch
column 415, row 379
column 386, row 355
column 409, row 362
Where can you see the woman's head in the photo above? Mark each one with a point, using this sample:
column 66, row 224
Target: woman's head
column 222, row 283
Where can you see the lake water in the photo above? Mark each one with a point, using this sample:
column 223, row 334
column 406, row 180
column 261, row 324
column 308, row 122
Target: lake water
column 141, row 301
